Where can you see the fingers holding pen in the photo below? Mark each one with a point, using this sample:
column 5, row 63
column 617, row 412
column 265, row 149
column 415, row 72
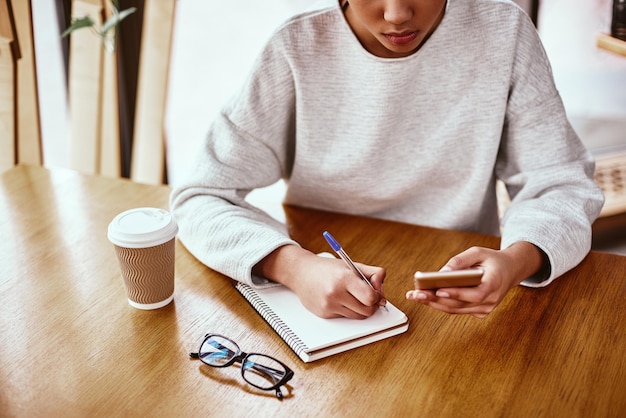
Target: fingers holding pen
column 367, row 294
column 376, row 277
column 352, row 266
column 328, row 287
column 343, row 294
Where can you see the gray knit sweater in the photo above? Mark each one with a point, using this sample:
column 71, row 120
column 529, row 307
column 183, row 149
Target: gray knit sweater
column 420, row 139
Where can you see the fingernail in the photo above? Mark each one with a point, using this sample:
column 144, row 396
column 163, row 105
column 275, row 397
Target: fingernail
column 445, row 268
column 443, row 294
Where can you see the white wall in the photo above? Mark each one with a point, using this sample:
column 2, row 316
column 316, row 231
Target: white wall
column 592, row 81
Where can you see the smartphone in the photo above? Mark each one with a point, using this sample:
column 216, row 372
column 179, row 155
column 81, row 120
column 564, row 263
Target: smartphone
column 455, row 278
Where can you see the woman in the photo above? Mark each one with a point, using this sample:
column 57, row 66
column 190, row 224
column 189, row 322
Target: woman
column 405, row 110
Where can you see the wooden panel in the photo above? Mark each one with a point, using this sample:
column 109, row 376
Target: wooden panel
column 612, row 44
column 9, row 53
column 110, row 157
column 28, row 122
column 85, row 90
column 148, row 156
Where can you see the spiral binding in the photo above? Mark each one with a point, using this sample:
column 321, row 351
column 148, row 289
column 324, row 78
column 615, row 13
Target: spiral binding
column 274, row 321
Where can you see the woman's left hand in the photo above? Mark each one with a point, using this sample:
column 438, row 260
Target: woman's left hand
column 503, row 270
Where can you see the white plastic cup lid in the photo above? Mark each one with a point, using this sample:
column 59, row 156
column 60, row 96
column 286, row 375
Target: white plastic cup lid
column 142, row 227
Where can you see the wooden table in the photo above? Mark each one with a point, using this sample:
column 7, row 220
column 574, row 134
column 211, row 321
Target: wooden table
column 72, row 346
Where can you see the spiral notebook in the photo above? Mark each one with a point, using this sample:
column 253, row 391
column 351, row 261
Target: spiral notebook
column 312, row 337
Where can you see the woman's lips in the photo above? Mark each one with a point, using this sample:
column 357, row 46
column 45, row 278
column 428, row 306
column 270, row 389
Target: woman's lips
column 401, row 38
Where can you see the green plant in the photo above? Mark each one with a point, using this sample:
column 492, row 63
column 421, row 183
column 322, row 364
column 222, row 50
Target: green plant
column 108, row 31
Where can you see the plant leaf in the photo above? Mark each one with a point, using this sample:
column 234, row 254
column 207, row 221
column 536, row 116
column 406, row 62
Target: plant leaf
column 116, row 19
column 127, row 12
column 78, row 23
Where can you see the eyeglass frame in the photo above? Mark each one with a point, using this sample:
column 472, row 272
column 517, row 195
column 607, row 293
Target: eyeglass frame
column 241, row 357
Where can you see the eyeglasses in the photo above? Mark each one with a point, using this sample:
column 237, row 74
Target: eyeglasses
column 259, row 370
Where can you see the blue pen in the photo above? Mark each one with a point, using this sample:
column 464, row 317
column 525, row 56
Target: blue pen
column 345, row 257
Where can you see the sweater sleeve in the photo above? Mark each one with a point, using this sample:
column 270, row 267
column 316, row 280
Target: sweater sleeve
column 244, row 149
column 547, row 170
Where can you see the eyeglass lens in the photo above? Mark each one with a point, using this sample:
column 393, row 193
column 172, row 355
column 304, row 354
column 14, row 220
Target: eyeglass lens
column 262, row 371
column 217, row 351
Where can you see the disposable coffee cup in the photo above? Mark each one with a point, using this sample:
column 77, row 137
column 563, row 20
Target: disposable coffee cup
column 144, row 241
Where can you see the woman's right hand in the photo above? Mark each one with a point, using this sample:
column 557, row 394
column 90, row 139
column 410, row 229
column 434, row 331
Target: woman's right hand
column 326, row 286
